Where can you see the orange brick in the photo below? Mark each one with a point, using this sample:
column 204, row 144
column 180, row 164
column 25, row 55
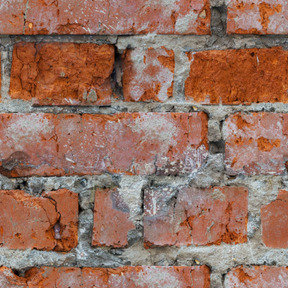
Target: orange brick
column 238, row 76
column 193, row 216
column 56, row 225
column 130, row 143
column 148, row 74
column 62, row 73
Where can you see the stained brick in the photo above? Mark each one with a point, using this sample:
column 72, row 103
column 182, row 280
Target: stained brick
column 148, row 74
column 274, row 220
column 124, row 277
column 238, row 76
column 56, row 225
column 257, row 17
column 105, row 17
column 130, row 143
column 256, row 143
column 111, row 219
column 257, row 276
column 191, row 216
column 62, row 73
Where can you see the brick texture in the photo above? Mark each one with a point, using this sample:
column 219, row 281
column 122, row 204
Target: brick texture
column 130, row 143
column 256, row 143
column 274, row 220
column 193, row 216
column 62, row 73
column 56, row 225
column 125, row 277
column 238, row 76
column 148, row 74
column 257, row 276
column 257, row 17
column 111, row 219
column 105, row 17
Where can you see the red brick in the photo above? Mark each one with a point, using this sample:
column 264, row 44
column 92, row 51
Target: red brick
column 192, row 216
column 274, row 221
column 124, row 277
column 148, row 74
column 111, row 219
column 105, row 17
column 130, row 143
column 146, row 277
column 257, row 17
column 256, row 143
column 12, row 16
column 19, row 230
column 238, row 76
column 62, row 73
column 257, row 276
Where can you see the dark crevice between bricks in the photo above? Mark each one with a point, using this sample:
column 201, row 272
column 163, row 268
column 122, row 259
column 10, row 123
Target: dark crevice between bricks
column 116, row 77
column 217, row 147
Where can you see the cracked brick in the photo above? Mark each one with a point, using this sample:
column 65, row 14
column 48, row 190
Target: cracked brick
column 194, row 216
column 27, row 222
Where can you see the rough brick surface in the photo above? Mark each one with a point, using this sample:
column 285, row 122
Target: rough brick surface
column 111, row 219
column 148, row 74
column 238, row 76
column 257, row 276
column 257, row 17
column 55, row 227
column 105, row 17
column 125, row 277
column 131, row 143
column 256, row 143
column 274, row 221
column 62, row 73
column 193, row 216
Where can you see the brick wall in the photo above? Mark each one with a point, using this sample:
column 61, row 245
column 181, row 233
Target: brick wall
column 143, row 143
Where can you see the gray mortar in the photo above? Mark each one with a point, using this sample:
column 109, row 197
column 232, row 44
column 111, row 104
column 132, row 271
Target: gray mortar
column 262, row 189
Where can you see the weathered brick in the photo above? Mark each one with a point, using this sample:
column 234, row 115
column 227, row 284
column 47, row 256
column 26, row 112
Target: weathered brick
column 111, row 219
column 148, row 74
column 191, row 216
column 257, row 17
column 274, row 221
column 256, row 143
column 56, row 225
column 131, row 143
column 62, row 73
column 257, row 276
column 105, row 17
column 238, row 76
column 124, row 277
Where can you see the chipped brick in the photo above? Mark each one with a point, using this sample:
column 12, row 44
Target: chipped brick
column 19, row 230
column 130, row 143
column 191, row 216
column 238, row 76
column 148, row 74
column 62, row 73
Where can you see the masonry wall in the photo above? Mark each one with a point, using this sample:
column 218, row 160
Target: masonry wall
column 144, row 143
